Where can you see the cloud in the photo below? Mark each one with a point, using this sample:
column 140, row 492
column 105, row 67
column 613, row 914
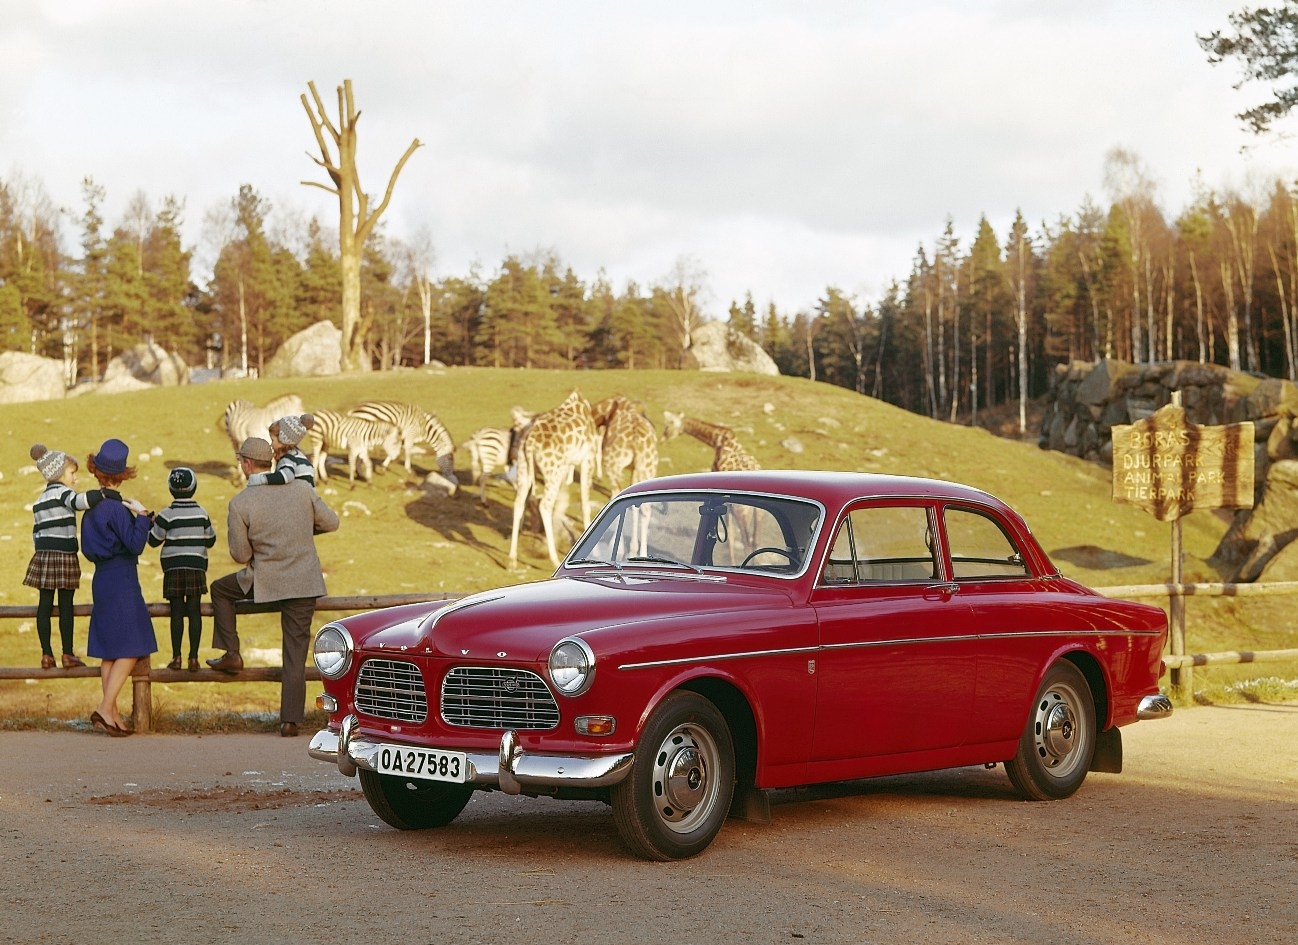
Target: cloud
column 786, row 146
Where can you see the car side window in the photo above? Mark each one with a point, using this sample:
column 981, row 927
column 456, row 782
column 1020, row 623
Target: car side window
column 979, row 546
column 882, row 543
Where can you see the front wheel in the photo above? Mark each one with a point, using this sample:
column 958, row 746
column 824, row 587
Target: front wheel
column 413, row 804
column 678, row 793
column 1058, row 741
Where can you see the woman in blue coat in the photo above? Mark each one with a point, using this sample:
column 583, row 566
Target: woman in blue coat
column 113, row 534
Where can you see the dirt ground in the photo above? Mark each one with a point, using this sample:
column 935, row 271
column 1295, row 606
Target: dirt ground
column 243, row 838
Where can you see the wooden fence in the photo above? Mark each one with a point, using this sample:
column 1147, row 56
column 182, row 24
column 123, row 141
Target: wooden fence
column 1178, row 661
column 145, row 674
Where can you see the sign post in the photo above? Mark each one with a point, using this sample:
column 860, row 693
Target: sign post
column 1169, row 467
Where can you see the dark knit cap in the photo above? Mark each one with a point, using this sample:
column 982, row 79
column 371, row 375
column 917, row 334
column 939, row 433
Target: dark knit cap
column 182, row 482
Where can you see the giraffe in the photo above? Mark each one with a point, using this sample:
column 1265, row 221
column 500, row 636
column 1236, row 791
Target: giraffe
column 730, row 455
column 555, row 444
column 630, row 442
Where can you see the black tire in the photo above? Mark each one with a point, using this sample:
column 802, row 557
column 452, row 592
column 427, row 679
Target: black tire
column 413, row 804
column 678, row 793
column 1058, row 742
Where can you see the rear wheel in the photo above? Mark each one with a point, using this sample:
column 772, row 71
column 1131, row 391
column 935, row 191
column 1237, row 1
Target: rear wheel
column 678, row 793
column 1058, row 742
column 410, row 804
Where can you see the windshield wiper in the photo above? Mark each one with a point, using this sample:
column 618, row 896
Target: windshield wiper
column 600, row 561
column 660, row 559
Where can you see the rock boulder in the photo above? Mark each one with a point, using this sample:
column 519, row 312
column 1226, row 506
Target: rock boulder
column 715, row 347
column 312, row 352
column 25, row 377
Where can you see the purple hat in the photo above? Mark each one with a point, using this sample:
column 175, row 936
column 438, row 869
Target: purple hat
column 111, row 458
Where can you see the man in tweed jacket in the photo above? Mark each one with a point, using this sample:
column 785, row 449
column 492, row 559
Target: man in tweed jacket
column 271, row 532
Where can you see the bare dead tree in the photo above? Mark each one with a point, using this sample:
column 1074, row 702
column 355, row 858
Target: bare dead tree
column 355, row 218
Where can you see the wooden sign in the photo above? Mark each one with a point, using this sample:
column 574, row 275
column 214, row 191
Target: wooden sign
column 1169, row 466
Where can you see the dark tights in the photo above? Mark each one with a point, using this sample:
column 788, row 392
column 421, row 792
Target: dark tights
column 182, row 607
column 45, row 618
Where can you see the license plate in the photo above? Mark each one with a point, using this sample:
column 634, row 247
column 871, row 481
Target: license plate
column 426, row 763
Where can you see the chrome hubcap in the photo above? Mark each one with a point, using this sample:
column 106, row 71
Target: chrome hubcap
column 1058, row 728
column 682, row 778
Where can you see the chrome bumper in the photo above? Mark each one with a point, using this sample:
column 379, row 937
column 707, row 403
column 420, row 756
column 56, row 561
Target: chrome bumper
column 1157, row 706
column 510, row 769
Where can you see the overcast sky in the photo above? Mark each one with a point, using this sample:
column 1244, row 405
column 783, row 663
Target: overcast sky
column 783, row 146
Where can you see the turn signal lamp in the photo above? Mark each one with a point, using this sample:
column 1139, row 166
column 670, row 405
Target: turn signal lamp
column 595, row 724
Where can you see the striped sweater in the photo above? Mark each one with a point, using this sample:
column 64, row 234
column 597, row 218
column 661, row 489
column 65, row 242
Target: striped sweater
column 55, row 513
column 292, row 465
column 185, row 533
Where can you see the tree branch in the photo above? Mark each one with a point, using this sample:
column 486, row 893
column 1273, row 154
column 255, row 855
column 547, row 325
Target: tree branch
column 363, row 229
column 316, row 183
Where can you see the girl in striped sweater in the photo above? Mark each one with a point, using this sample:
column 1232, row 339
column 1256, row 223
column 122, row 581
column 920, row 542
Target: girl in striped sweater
column 55, row 567
column 290, row 462
column 185, row 532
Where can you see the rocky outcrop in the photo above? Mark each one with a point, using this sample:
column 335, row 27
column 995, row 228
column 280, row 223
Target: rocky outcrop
column 714, row 347
column 25, row 377
column 1087, row 400
column 312, row 352
column 149, row 364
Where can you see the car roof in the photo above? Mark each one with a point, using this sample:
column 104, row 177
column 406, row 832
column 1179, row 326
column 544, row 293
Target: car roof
column 832, row 488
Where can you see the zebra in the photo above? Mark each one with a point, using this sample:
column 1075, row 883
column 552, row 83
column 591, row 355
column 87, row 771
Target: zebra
column 356, row 435
column 489, row 450
column 416, row 426
column 243, row 418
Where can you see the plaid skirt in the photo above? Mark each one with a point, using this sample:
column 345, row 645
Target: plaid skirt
column 53, row 570
column 183, row 582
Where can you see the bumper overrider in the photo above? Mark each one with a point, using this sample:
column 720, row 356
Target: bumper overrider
column 510, row 770
column 1157, row 706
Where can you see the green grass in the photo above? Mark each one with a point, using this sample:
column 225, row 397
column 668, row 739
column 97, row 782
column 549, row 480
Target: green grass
column 396, row 539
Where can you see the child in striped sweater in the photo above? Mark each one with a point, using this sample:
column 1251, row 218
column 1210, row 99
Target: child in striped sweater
column 290, row 462
column 55, row 567
column 185, row 532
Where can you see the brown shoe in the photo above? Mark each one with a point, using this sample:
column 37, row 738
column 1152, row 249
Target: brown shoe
column 71, row 661
column 229, row 663
column 193, row 664
column 47, row 661
column 288, row 730
column 175, row 663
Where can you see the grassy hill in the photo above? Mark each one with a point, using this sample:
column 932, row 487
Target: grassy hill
column 396, row 539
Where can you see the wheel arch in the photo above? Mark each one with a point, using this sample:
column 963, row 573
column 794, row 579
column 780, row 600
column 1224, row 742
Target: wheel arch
column 735, row 708
column 1090, row 668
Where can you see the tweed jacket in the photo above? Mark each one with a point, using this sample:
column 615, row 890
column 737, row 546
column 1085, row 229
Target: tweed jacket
column 271, row 530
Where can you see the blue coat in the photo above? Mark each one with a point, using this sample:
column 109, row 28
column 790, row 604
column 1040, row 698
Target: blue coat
column 112, row 539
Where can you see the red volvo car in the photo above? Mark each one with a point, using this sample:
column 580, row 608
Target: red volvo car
column 713, row 636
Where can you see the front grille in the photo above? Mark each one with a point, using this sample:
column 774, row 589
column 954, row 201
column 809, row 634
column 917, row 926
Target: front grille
column 391, row 689
column 487, row 697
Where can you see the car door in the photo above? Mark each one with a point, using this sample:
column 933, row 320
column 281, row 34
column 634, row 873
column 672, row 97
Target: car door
column 896, row 661
column 1017, row 616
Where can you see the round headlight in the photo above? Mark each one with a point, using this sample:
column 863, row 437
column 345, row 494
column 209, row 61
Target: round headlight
column 332, row 651
column 572, row 666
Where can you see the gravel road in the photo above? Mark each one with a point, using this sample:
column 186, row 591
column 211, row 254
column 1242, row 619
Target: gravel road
column 244, row 839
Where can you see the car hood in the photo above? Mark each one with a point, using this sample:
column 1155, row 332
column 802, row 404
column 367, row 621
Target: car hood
column 524, row 621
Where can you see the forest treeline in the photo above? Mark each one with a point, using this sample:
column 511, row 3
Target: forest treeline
column 977, row 322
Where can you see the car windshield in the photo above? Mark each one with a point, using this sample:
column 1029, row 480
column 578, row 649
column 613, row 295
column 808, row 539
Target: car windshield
column 695, row 530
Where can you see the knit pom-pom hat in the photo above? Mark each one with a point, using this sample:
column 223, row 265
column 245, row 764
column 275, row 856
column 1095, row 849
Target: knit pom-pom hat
column 290, row 430
column 49, row 463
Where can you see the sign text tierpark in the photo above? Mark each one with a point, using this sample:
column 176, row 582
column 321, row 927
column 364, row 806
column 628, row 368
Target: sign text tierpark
column 1169, row 466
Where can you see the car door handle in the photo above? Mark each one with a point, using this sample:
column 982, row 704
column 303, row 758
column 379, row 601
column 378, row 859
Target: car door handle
column 943, row 591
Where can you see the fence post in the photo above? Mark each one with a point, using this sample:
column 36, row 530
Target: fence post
column 1182, row 677
column 142, row 695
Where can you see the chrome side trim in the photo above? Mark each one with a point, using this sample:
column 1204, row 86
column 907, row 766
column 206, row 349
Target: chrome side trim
column 892, row 641
column 510, row 769
column 1157, row 706
column 716, row 657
